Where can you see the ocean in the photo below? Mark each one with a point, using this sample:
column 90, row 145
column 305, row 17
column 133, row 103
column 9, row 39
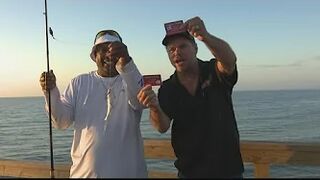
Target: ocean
column 281, row 116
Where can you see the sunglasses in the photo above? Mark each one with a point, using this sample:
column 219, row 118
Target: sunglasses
column 104, row 32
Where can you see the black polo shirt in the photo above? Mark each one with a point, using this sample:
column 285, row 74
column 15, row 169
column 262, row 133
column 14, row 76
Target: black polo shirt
column 204, row 132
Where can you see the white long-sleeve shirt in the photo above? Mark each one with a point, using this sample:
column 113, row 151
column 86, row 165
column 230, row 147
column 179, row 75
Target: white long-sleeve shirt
column 103, row 145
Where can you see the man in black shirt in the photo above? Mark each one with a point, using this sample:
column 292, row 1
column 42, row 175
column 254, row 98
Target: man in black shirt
column 197, row 99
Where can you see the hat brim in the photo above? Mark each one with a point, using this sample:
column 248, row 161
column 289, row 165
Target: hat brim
column 186, row 35
column 92, row 55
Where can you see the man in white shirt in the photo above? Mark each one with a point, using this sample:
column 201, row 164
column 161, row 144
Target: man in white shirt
column 102, row 105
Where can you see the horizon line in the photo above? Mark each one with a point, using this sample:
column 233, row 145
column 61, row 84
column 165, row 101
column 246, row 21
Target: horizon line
column 235, row 90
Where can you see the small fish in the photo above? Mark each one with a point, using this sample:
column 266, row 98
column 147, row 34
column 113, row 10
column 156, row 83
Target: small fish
column 109, row 105
column 51, row 32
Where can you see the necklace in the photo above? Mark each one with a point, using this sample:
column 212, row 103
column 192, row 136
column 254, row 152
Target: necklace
column 108, row 84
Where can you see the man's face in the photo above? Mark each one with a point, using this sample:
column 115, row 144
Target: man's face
column 182, row 53
column 106, row 65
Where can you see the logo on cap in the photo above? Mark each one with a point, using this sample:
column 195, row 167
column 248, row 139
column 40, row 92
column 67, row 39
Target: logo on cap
column 174, row 27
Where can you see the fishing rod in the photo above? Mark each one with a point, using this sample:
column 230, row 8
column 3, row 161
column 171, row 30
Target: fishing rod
column 49, row 97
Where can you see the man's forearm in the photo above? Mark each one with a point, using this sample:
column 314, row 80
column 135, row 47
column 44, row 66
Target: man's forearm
column 61, row 112
column 159, row 119
column 133, row 78
column 222, row 51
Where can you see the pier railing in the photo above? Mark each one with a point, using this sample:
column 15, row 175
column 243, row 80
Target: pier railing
column 261, row 154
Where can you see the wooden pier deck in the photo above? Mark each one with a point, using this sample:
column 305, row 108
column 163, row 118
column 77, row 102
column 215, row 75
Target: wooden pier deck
column 261, row 154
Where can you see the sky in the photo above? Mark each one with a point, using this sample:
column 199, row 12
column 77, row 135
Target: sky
column 277, row 42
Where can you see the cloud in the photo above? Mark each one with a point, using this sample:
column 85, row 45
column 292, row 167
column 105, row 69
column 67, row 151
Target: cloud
column 298, row 63
column 316, row 58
